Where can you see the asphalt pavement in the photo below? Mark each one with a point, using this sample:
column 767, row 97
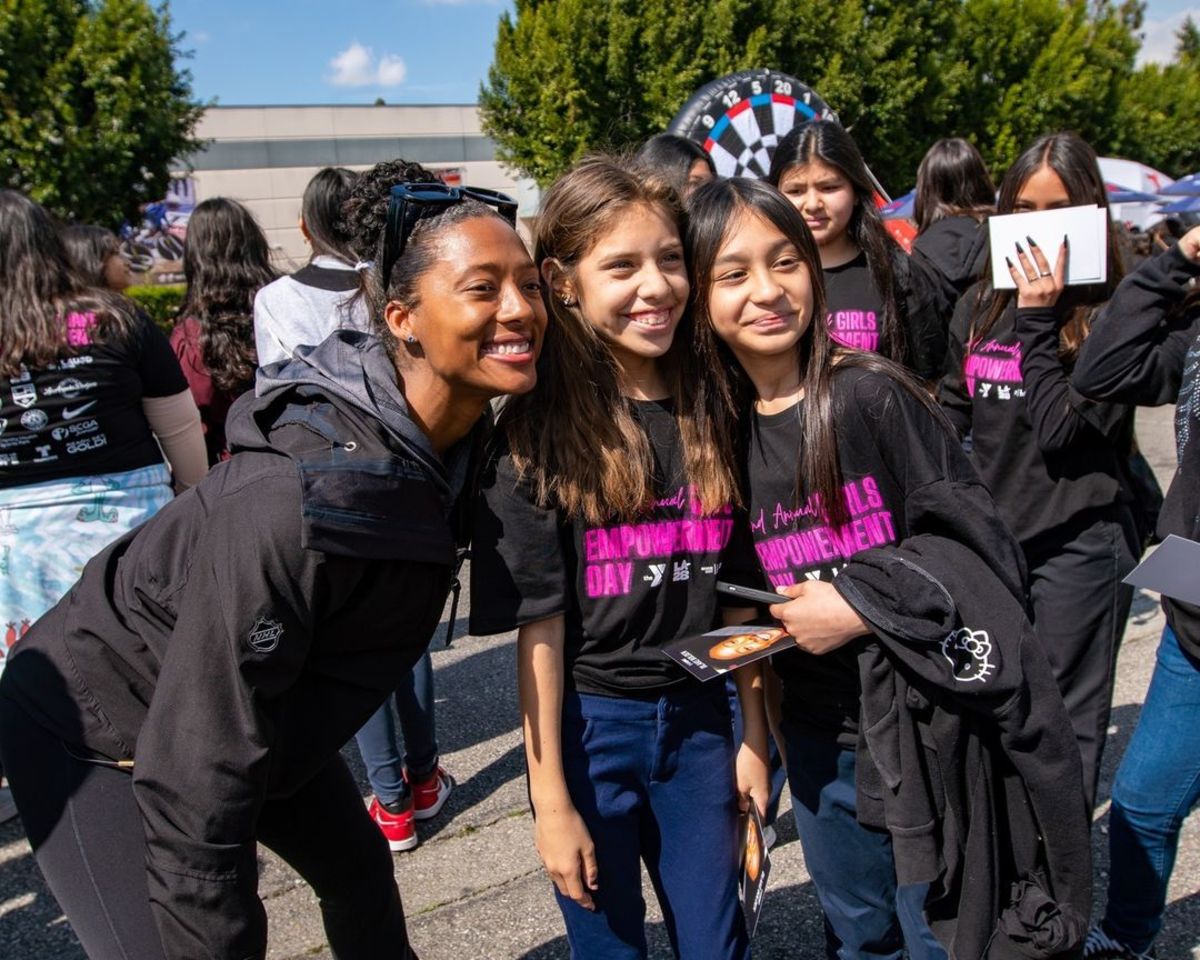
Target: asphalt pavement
column 474, row 887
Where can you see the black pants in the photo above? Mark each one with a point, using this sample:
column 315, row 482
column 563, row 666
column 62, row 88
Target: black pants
column 87, row 834
column 1079, row 610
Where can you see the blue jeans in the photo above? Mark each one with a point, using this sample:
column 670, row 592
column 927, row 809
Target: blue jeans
column 653, row 781
column 867, row 917
column 379, row 744
column 1157, row 783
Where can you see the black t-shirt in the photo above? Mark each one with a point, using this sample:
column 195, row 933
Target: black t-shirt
column 1047, row 453
column 903, row 474
column 82, row 415
column 853, row 306
column 625, row 589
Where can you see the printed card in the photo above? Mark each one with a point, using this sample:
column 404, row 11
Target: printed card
column 756, row 868
column 719, row 651
column 1173, row 570
column 1086, row 229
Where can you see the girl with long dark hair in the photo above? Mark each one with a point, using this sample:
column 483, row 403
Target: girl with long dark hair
column 876, row 298
column 1054, row 460
column 681, row 162
column 955, row 195
column 304, row 308
column 90, row 400
column 190, row 696
column 226, row 261
column 1144, row 348
column 863, row 508
column 95, row 256
column 603, row 520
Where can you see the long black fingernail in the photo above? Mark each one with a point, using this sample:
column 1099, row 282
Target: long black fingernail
column 1066, row 242
column 1032, row 242
column 1009, row 262
column 1020, row 249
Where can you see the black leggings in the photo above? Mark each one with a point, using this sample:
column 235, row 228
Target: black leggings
column 87, row 834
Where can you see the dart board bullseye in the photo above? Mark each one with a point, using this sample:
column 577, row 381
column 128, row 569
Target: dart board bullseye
column 739, row 119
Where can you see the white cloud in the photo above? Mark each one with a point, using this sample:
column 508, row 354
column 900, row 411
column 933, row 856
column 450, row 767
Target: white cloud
column 1159, row 42
column 356, row 67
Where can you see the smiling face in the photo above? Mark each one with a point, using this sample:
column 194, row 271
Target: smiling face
column 824, row 196
column 742, row 644
column 1044, row 190
column 632, row 286
column 760, row 301
column 479, row 319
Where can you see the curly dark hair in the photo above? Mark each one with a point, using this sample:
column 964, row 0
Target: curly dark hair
column 364, row 220
column 226, row 261
column 38, row 290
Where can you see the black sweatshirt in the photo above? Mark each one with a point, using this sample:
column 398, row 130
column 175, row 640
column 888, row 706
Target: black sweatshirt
column 957, row 249
column 1048, row 454
column 232, row 644
column 967, row 755
column 1143, row 349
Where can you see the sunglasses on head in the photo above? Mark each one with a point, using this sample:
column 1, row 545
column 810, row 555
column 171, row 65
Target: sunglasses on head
column 410, row 202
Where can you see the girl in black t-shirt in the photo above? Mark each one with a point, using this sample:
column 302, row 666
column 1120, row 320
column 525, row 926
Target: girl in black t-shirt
column 1053, row 459
column 876, row 298
column 602, row 524
column 842, row 453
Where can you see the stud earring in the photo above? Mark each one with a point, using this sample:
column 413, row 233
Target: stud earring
column 568, row 302
column 411, row 338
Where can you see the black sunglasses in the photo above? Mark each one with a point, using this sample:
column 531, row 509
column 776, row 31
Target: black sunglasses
column 412, row 201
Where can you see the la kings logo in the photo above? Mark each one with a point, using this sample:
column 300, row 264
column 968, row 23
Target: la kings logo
column 969, row 653
column 264, row 635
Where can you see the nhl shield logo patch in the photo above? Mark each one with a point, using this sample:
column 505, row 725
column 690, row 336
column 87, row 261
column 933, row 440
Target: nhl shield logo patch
column 264, row 635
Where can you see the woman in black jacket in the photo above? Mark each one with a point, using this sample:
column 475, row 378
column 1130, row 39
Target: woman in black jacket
column 189, row 696
column 1145, row 349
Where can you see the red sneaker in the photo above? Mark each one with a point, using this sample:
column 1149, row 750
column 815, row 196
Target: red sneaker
column 398, row 828
column 429, row 795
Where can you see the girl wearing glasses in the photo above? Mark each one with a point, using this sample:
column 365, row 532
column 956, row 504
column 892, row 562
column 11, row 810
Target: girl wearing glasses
column 602, row 524
column 189, row 696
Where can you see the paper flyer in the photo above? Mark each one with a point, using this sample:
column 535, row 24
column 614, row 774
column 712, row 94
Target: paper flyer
column 1173, row 570
column 756, row 868
column 717, row 652
column 1086, row 229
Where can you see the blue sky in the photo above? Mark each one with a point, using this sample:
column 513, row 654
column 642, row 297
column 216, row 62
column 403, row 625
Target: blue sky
column 406, row 51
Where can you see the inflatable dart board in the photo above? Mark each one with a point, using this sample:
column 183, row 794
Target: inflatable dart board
column 740, row 118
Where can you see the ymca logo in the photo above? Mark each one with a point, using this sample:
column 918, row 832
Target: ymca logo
column 264, row 635
column 969, row 653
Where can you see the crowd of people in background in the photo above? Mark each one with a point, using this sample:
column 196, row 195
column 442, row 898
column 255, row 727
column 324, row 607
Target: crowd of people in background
column 223, row 554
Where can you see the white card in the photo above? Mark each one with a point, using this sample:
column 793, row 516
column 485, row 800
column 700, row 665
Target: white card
column 1173, row 569
column 1086, row 229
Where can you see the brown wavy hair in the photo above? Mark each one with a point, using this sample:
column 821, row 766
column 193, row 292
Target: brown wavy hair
column 226, row 261
column 1074, row 161
column 38, row 290
column 724, row 394
column 575, row 436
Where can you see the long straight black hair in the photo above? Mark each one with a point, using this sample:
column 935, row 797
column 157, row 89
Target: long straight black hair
column 827, row 142
column 38, row 291
column 952, row 180
column 1073, row 160
column 226, row 261
column 724, row 394
column 321, row 210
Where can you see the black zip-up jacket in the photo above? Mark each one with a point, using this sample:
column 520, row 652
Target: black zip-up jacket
column 232, row 644
column 1144, row 348
column 966, row 754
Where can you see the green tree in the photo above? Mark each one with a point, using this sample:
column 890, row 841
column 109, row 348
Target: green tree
column 571, row 76
column 93, row 108
column 1159, row 116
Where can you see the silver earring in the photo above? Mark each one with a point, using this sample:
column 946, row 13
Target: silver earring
column 568, row 302
column 411, row 338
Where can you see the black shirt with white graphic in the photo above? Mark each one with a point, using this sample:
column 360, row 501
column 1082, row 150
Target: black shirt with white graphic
column 82, row 415
column 624, row 588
